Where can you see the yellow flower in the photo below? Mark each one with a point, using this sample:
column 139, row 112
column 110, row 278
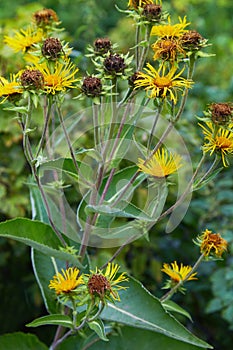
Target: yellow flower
column 167, row 49
column 105, row 285
column 178, row 274
column 218, row 140
column 59, row 79
column 161, row 164
column 10, row 89
column 160, row 84
column 211, row 244
column 67, row 281
column 139, row 3
column 24, row 39
column 170, row 31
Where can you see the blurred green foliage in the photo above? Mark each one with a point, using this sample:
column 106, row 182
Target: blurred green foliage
column 211, row 207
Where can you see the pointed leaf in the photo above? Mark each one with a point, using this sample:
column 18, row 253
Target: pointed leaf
column 57, row 320
column 138, row 308
column 170, row 306
column 98, row 327
column 37, row 235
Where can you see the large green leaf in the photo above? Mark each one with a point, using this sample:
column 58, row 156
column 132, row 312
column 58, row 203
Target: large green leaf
column 37, row 235
column 127, row 339
column 21, row 341
column 57, row 320
column 139, row 308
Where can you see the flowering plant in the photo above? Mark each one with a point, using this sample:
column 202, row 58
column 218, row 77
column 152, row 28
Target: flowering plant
column 134, row 147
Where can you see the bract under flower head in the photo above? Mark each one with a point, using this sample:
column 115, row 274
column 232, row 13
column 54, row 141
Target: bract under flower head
column 24, row 39
column 217, row 140
column 170, row 31
column 211, row 244
column 104, row 286
column 161, row 164
column 67, row 281
column 162, row 84
column 178, row 274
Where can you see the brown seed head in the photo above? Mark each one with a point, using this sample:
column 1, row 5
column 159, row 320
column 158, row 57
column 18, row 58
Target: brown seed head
column 92, row 86
column 152, row 12
column 45, row 17
column 191, row 40
column 32, row 78
column 52, row 48
column 102, row 45
column 221, row 113
column 98, row 285
column 114, row 63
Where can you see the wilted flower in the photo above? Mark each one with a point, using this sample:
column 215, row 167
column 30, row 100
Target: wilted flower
column 161, row 164
column 45, row 17
column 24, row 39
column 104, row 286
column 221, row 113
column 114, row 63
column 217, row 140
column 102, row 45
column 167, row 49
column 92, row 86
column 162, row 84
column 211, row 244
column 32, row 79
column 52, row 48
column 192, row 40
column 67, row 282
column 152, row 12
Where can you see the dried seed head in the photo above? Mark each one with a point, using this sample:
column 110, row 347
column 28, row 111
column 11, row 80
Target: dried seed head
column 45, row 17
column 221, row 113
column 52, row 48
column 114, row 63
column 102, row 45
column 92, row 86
column 152, row 12
column 32, row 79
column 98, row 285
column 192, row 40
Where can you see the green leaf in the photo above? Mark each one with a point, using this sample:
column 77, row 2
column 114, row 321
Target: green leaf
column 98, row 327
column 197, row 184
column 170, row 306
column 127, row 338
column 21, row 341
column 62, row 164
column 37, row 235
column 57, row 320
column 129, row 211
column 139, row 308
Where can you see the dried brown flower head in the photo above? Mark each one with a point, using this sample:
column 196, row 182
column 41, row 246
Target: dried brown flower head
column 114, row 63
column 221, row 113
column 102, row 45
column 32, row 79
column 192, row 40
column 98, row 285
column 92, row 86
column 52, row 48
column 45, row 17
column 152, row 12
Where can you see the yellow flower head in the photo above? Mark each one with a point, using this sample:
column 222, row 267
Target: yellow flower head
column 60, row 78
column 139, row 3
column 24, row 39
column 162, row 84
column 161, row 164
column 170, row 31
column 10, row 89
column 67, row 281
column 217, row 140
column 211, row 244
column 178, row 274
column 167, row 49
column 105, row 285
